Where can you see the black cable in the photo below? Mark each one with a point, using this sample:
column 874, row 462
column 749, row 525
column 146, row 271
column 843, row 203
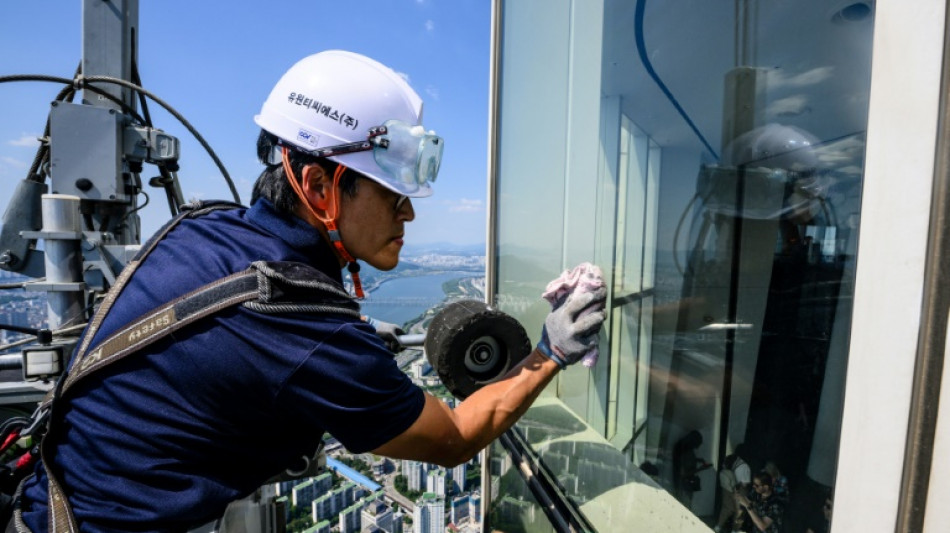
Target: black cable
column 19, row 329
column 167, row 181
column 83, row 83
column 12, row 424
column 139, row 208
column 177, row 115
column 641, row 50
column 142, row 100
column 73, row 83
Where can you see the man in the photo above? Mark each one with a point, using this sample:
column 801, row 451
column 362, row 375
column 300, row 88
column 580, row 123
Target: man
column 734, row 478
column 764, row 508
column 165, row 438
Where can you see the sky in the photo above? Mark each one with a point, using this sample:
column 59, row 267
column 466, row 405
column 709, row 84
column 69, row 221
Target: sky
column 216, row 62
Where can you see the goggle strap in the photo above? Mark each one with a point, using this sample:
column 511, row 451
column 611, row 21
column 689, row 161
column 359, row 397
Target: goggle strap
column 352, row 266
column 329, row 221
column 348, row 148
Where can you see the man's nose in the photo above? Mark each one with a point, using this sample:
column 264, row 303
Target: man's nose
column 404, row 210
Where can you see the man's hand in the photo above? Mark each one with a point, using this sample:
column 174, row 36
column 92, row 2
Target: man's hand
column 388, row 332
column 572, row 329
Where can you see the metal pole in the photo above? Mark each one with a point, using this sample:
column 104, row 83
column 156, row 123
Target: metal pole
column 62, row 233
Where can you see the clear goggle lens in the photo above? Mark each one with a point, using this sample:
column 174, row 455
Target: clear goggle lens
column 407, row 152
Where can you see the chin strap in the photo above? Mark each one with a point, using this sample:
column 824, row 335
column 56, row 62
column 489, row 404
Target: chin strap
column 329, row 221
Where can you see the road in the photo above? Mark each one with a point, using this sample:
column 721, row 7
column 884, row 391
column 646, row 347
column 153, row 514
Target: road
column 394, row 495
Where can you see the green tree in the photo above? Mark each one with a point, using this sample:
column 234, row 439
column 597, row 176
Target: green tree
column 402, row 487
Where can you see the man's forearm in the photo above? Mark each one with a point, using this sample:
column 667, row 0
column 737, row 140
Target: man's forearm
column 491, row 410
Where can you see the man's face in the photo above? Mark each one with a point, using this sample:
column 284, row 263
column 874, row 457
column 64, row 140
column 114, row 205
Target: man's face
column 372, row 223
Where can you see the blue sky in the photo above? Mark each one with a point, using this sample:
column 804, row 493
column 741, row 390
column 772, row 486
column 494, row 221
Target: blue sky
column 215, row 63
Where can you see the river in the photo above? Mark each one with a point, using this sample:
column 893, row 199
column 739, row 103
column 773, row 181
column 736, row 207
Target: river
column 404, row 298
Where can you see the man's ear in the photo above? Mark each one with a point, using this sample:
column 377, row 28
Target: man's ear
column 317, row 186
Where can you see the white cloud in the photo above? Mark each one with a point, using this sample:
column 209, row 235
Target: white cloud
column 24, row 140
column 433, row 92
column 852, row 169
column 430, row 25
column 846, row 153
column 779, row 79
column 12, row 162
column 465, row 205
column 788, row 107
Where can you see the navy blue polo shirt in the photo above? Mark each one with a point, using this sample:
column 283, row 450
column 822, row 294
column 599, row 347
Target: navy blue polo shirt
column 166, row 438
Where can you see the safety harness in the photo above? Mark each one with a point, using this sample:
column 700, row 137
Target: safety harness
column 264, row 287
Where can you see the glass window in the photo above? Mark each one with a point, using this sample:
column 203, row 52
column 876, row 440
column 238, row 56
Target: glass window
column 708, row 156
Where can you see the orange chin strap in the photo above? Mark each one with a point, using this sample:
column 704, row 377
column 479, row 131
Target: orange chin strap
column 329, row 221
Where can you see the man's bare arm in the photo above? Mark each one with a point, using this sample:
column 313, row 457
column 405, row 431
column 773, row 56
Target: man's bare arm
column 449, row 437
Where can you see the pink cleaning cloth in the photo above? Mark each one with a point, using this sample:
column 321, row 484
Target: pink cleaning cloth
column 584, row 277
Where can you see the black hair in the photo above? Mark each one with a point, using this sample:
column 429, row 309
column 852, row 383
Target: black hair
column 765, row 478
column 272, row 184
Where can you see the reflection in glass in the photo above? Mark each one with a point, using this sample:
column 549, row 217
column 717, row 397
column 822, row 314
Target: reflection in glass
column 709, row 157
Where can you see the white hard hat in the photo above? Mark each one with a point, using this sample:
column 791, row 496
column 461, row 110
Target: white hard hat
column 335, row 98
column 774, row 146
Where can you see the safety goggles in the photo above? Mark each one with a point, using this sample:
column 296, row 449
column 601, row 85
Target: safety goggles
column 408, row 153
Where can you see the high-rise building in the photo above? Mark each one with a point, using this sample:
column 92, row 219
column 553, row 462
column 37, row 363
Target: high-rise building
column 323, row 483
column 283, row 488
column 377, row 514
column 415, row 474
column 429, row 514
column 349, row 519
column 475, row 507
column 398, row 518
column 458, row 478
column 379, row 466
column 435, row 482
column 323, row 507
column 459, row 509
column 304, row 493
column 420, row 368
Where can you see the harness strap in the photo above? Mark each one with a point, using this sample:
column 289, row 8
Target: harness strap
column 60, row 517
column 191, row 210
column 164, row 320
column 264, row 287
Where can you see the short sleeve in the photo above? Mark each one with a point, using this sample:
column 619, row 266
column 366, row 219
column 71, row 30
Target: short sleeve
column 350, row 385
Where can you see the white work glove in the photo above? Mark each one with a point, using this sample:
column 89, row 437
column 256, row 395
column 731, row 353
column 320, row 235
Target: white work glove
column 572, row 328
column 388, row 332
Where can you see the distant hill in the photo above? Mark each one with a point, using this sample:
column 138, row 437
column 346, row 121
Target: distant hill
column 443, row 248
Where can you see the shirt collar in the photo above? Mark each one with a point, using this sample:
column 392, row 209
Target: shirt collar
column 298, row 234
